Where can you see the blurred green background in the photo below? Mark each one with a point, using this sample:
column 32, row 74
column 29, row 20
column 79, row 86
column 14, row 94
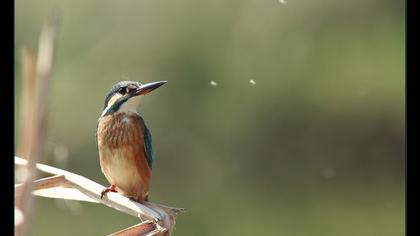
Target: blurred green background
column 315, row 147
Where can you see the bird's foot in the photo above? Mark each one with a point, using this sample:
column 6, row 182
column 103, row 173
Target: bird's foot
column 109, row 189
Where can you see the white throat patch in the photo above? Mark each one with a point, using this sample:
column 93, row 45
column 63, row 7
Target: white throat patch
column 131, row 105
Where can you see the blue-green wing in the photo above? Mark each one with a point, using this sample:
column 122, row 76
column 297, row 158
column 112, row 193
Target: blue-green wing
column 148, row 146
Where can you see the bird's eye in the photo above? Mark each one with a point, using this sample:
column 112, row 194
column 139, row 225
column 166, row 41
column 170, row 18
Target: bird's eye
column 122, row 91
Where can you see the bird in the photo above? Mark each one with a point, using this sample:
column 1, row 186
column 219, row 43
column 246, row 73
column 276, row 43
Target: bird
column 124, row 142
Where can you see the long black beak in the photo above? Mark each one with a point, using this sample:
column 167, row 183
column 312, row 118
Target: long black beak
column 147, row 88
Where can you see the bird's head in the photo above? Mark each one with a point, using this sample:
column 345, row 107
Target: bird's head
column 126, row 95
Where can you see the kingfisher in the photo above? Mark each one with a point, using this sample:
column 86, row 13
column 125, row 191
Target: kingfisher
column 124, row 142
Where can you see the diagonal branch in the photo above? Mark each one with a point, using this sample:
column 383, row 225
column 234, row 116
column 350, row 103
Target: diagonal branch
column 49, row 182
column 162, row 216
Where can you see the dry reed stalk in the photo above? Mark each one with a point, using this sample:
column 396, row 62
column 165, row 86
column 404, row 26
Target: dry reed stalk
column 35, row 99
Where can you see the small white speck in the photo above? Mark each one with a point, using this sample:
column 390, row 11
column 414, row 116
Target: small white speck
column 252, row 82
column 213, row 83
column 283, row 1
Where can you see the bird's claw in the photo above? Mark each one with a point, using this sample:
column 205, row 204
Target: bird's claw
column 109, row 189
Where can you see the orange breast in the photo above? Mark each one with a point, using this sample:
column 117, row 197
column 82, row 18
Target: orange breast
column 122, row 154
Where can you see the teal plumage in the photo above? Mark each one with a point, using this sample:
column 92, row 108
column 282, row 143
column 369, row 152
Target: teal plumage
column 148, row 146
column 147, row 136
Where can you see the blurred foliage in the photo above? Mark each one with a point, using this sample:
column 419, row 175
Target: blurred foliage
column 315, row 147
